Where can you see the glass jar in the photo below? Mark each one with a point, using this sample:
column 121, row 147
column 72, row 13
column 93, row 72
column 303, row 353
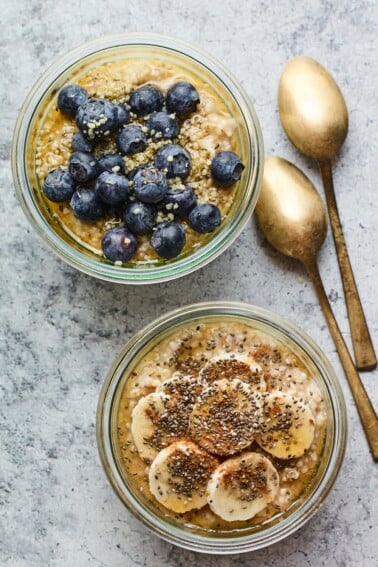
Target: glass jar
column 105, row 50
column 281, row 331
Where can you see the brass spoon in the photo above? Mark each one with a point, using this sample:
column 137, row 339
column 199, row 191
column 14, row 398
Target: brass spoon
column 315, row 118
column 293, row 218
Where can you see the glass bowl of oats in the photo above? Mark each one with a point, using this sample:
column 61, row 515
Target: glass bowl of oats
column 222, row 427
column 137, row 158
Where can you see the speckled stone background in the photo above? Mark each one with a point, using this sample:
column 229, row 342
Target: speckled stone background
column 60, row 329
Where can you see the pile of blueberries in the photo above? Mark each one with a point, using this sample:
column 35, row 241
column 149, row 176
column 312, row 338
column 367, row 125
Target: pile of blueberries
column 99, row 186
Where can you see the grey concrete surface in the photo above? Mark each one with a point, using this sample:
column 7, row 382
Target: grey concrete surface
column 59, row 329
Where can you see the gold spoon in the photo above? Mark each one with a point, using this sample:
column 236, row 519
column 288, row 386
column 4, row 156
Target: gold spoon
column 293, row 219
column 315, row 118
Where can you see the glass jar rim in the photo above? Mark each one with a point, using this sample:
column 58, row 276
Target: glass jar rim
column 294, row 520
column 193, row 260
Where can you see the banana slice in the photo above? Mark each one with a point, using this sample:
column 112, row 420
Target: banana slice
column 179, row 475
column 150, row 425
column 288, row 426
column 231, row 367
column 242, row 486
column 183, row 390
column 225, row 418
column 163, row 416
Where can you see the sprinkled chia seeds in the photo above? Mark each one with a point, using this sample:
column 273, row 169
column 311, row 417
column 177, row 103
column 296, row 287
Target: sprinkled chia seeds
column 190, row 471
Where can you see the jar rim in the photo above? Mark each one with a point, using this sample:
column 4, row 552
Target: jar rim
column 168, row 270
column 337, row 423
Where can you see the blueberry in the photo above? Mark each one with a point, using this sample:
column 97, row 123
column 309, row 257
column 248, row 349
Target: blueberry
column 86, row 205
column 80, row 143
column 131, row 140
column 168, row 239
column 83, row 167
column 70, row 98
column 162, row 125
column 123, row 115
column 134, row 171
column 97, row 118
column 112, row 163
column 112, row 188
column 180, row 201
column 58, row 185
column 145, row 100
column 205, row 218
column 150, row 185
column 119, row 244
column 174, row 160
column 182, row 98
column 139, row 217
column 226, row 168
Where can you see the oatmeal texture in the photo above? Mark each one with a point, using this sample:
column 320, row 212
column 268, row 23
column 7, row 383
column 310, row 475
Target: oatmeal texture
column 184, row 354
column 208, row 130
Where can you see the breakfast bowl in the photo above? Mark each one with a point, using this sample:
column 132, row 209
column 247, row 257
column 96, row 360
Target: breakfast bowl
column 220, row 123
column 222, row 427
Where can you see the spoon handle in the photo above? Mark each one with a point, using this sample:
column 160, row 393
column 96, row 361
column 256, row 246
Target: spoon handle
column 365, row 409
column 362, row 343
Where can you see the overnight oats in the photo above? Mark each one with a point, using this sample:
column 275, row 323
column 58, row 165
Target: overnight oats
column 138, row 160
column 221, row 427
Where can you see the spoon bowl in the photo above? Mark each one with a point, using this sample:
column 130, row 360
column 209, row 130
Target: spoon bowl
column 312, row 108
column 290, row 211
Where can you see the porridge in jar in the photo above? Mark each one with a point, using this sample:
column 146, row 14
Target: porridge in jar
column 220, row 426
column 138, row 160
